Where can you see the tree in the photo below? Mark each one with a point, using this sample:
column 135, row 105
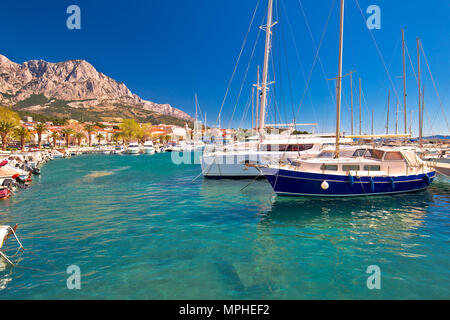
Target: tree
column 99, row 137
column 67, row 132
column 22, row 134
column 89, row 129
column 117, row 136
column 130, row 129
column 55, row 137
column 40, row 129
column 8, row 121
column 79, row 136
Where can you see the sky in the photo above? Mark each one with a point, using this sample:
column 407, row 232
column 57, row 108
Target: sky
column 167, row 50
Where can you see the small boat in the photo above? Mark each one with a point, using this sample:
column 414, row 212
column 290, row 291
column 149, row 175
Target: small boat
column 118, row 150
column 5, row 233
column 149, row 148
column 133, row 148
column 5, row 193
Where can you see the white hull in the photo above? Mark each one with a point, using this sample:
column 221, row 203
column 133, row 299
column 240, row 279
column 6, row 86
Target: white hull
column 132, row 151
column 149, row 151
column 234, row 165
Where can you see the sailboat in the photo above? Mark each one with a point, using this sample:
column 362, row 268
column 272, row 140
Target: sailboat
column 357, row 172
column 233, row 161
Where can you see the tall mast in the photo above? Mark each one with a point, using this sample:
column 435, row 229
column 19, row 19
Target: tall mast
column 423, row 107
column 420, row 94
column 404, row 81
column 258, row 88
column 387, row 122
column 339, row 80
column 396, row 120
column 372, row 123
column 253, row 108
column 266, row 66
column 351, row 100
column 196, row 119
column 360, row 120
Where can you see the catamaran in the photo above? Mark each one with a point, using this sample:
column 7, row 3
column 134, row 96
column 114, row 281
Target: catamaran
column 370, row 171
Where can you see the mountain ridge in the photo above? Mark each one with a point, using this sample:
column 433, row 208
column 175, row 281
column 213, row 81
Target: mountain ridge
column 78, row 87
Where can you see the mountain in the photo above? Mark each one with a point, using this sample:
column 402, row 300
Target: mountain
column 74, row 89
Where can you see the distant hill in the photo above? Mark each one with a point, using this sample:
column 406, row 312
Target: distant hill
column 75, row 89
column 437, row 137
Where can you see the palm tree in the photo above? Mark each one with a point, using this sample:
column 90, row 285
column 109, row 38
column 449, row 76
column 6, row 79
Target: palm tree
column 79, row 136
column 6, row 127
column 89, row 129
column 54, row 136
column 99, row 137
column 40, row 129
column 22, row 134
column 67, row 132
column 117, row 136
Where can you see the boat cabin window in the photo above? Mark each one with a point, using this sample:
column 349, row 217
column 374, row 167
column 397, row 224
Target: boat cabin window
column 350, row 168
column 393, row 155
column 374, row 154
column 326, row 154
column 359, row 153
column 287, row 147
column 372, row 168
column 328, row 167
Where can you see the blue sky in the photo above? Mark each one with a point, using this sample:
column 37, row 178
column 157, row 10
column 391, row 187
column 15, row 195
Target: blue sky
column 166, row 50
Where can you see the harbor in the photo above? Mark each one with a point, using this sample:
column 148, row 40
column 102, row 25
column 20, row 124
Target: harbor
column 140, row 233
column 299, row 167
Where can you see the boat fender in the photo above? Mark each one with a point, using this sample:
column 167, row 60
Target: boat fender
column 325, row 185
column 351, row 180
column 392, row 183
column 427, row 180
column 372, row 184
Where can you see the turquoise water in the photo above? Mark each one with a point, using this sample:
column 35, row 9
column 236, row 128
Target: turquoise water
column 139, row 228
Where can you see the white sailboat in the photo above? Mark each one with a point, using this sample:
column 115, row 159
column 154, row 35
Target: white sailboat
column 362, row 172
column 232, row 162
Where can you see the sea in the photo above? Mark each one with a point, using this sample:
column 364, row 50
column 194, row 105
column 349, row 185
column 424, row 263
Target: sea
column 144, row 227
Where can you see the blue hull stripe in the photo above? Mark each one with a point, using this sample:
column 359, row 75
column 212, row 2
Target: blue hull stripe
column 294, row 183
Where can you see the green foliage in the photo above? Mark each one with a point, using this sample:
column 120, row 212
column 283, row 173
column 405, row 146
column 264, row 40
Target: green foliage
column 33, row 100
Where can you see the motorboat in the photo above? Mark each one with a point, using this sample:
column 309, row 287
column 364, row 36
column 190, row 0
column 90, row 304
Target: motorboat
column 148, row 147
column 118, row 150
column 133, row 148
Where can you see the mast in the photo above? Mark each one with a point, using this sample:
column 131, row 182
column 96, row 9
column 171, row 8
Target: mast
column 387, row 122
column 351, row 100
column 396, row 120
column 266, row 67
column 253, row 107
column 404, row 81
column 196, row 119
column 339, row 80
column 258, row 88
column 420, row 94
column 423, row 107
column 372, row 122
column 360, row 120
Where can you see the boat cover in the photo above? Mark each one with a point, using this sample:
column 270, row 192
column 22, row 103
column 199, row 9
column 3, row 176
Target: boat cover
column 411, row 158
column 3, row 233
